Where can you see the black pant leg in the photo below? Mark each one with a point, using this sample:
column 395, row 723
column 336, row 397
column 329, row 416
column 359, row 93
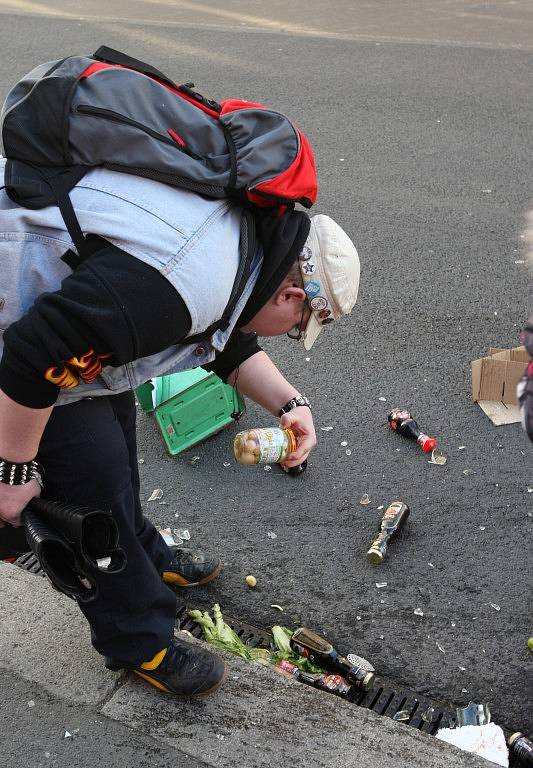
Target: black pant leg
column 124, row 408
column 87, row 459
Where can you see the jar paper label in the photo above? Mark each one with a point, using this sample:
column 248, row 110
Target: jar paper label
column 271, row 444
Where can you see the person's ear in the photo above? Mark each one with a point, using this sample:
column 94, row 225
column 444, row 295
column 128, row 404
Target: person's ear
column 289, row 293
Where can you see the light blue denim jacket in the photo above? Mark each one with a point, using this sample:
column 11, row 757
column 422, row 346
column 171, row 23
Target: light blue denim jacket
column 192, row 241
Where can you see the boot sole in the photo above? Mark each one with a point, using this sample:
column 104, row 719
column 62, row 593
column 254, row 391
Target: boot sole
column 176, row 580
column 161, row 687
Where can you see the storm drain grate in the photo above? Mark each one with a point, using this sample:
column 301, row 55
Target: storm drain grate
column 30, row 563
column 384, row 699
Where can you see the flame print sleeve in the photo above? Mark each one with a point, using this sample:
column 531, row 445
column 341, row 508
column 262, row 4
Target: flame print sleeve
column 112, row 310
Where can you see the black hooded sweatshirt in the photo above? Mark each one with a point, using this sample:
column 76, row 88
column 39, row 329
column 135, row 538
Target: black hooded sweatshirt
column 101, row 311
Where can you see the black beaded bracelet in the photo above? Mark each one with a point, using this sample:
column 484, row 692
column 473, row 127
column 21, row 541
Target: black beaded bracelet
column 12, row 473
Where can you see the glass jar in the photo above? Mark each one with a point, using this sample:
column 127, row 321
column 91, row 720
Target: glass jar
column 264, row 446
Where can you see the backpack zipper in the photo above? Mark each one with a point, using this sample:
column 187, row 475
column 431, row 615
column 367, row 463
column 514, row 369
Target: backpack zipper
column 116, row 117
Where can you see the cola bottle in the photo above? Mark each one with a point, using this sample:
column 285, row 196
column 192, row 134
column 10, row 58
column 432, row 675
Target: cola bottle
column 402, row 422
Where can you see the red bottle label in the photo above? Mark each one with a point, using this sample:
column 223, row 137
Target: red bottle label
column 336, row 683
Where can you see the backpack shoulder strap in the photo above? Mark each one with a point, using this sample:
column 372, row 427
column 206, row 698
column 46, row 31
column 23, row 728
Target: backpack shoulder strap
column 247, row 251
column 34, row 187
column 111, row 56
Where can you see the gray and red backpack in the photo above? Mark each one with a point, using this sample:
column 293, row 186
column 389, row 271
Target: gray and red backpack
column 110, row 110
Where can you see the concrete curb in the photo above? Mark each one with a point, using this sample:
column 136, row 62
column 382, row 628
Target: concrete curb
column 258, row 718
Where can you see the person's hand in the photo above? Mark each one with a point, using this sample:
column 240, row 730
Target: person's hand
column 13, row 499
column 300, row 420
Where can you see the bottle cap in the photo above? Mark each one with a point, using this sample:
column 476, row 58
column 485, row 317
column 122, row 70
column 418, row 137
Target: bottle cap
column 427, row 444
column 374, row 556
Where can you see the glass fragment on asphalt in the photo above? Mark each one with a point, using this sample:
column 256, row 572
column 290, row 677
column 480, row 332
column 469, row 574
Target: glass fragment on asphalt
column 381, row 584
column 182, row 533
column 439, row 646
column 469, row 472
column 267, row 468
column 418, row 612
column 227, row 464
column 348, row 452
column 157, row 494
column 141, row 461
column 103, row 562
column 365, row 499
column 496, row 607
column 277, row 607
column 437, row 458
column 326, row 429
column 344, row 443
column 272, row 535
column 473, row 714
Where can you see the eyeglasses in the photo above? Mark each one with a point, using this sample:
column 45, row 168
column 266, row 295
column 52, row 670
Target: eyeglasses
column 297, row 333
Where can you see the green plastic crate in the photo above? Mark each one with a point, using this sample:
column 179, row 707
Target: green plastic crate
column 189, row 406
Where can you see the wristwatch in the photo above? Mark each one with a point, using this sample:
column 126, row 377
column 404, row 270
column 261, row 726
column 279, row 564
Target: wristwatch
column 12, row 473
column 295, row 402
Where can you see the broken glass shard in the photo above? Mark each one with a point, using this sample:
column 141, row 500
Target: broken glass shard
column 157, row 494
column 402, row 715
column 428, row 715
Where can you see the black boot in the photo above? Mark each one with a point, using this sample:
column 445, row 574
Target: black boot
column 184, row 670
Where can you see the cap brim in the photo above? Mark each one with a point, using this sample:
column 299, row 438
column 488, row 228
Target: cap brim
column 312, row 331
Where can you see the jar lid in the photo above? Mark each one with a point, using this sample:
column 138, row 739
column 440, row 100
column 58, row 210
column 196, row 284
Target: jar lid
column 293, row 443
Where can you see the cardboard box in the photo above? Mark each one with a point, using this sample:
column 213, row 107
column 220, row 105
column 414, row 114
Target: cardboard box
column 494, row 380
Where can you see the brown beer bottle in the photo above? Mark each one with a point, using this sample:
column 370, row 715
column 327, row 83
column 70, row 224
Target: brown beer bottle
column 392, row 521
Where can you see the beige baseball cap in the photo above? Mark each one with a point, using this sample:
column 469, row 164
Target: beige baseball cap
column 330, row 271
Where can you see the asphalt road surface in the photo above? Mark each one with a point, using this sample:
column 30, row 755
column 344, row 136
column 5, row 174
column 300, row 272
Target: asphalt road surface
column 420, row 117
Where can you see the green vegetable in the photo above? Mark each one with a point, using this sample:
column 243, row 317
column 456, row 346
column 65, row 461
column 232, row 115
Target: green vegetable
column 221, row 635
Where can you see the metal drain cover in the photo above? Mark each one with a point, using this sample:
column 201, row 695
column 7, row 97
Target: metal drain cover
column 385, row 699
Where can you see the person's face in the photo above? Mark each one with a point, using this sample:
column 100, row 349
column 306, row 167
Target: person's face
column 285, row 312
